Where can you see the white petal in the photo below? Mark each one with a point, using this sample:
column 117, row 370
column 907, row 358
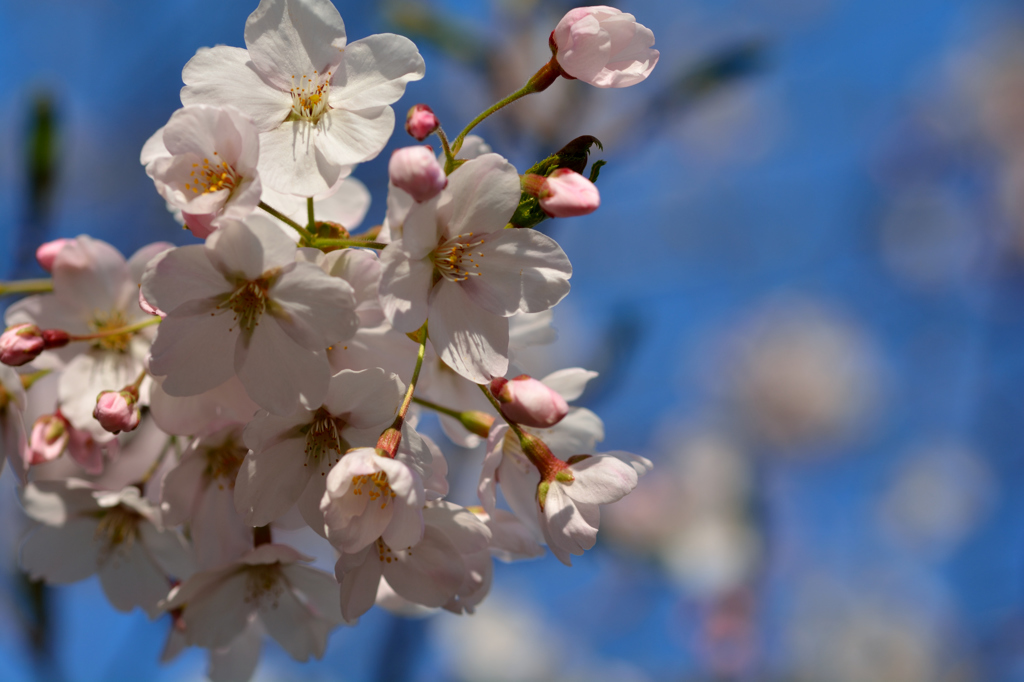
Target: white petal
column 179, row 488
column 249, row 250
column 521, row 270
column 289, row 622
column 181, row 275
column 470, row 340
column 600, row 480
column 292, row 38
column 320, row 590
column 404, row 288
column 270, row 482
column 291, row 163
column 315, row 309
column 365, row 399
column 359, row 575
column 375, row 71
column 276, row 372
column 429, row 574
column 89, row 274
column 131, row 579
column 484, row 194
column 349, row 137
column 569, row 383
column 219, row 535
column 140, row 259
column 224, row 76
column 462, row 528
column 218, row 615
column 195, row 353
column 237, row 662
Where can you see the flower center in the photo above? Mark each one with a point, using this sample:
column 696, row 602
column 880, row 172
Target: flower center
column 262, row 582
column 248, row 303
column 377, row 488
column 118, row 528
column 207, row 178
column 105, row 322
column 455, row 260
column 323, row 437
column 223, row 462
column 309, row 97
column 386, row 554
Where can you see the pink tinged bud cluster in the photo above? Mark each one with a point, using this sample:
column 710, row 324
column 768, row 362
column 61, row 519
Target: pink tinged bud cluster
column 604, row 47
column 22, row 343
column 529, row 402
column 421, row 122
column 416, row 171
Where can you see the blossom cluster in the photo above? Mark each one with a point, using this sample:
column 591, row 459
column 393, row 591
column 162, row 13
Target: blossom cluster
column 203, row 401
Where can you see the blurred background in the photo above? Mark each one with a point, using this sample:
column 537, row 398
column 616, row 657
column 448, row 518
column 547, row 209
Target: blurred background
column 804, row 292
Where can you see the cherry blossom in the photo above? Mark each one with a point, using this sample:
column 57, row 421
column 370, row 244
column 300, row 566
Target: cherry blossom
column 291, row 455
column 486, row 273
column 204, row 164
column 250, row 310
column 320, row 105
column 297, row 605
column 83, row 530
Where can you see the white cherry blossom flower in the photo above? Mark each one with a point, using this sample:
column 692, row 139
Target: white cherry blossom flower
column 204, row 164
column 320, row 105
column 370, row 496
column 241, row 305
column 292, row 455
column 201, row 489
column 429, row 573
column 457, row 266
column 83, row 531
column 297, row 605
column 94, row 290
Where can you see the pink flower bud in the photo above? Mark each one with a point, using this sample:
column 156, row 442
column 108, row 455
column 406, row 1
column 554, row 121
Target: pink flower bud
column 604, row 46
column 529, row 402
column 415, row 170
column 567, row 194
column 48, row 439
column 117, row 411
column 420, row 122
column 21, row 344
column 47, row 253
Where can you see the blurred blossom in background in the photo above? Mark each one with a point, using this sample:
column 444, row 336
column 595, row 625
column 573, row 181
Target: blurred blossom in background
column 804, row 293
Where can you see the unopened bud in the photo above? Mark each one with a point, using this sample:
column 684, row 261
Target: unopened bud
column 48, row 439
column 47, row 253
column 21, row 344
column 567, row 194
column 416, row 170
column 420, row 122
column 529, row 402
column 117, row 411
column 477, row 422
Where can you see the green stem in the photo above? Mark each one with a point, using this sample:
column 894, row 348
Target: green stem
column 392, row 436
column 138, row 382
column 449, row 158
column 287, row 221
column 455, row 414
column 27, row 286
column 130, row 329
column 310, row 215
column 501, row 104
column 541, row 80
column 320, row 243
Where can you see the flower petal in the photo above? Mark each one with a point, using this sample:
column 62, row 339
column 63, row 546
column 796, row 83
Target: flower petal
column 404, row 287
column 470, row 340
column 277, row 373
column 484, row 194
column 224, row 76
column 270, row 482
column 294, row 38
column 375, row 71
column 315, row 309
